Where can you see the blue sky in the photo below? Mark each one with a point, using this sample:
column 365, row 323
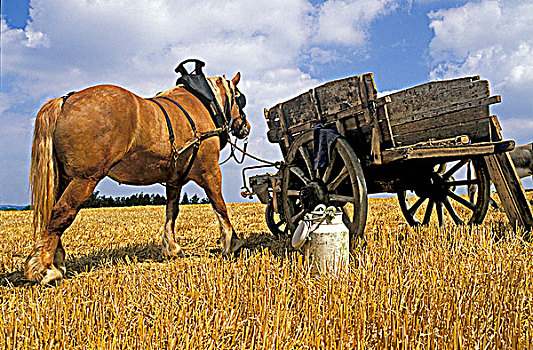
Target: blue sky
column 281, row 47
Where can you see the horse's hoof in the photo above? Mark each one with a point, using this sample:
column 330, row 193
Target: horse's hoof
column 51, row 277
column 236, row 244
column 33, row 268
column 62, row 269
column 176, row 252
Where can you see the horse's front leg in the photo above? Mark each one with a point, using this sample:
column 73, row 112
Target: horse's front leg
column 211, row 182
column 169, row 246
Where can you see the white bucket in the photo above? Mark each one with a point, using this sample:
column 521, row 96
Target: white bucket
column 325, row 243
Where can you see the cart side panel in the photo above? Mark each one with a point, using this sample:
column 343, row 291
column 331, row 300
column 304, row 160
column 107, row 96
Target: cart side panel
column 472, row 122
column 434, row 95
column 440, row 110
column 341, row 94
column 325, row 101
column 300, row 109
column 344, row 102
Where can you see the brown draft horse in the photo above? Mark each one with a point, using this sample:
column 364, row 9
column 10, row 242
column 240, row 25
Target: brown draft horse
column 108, row 131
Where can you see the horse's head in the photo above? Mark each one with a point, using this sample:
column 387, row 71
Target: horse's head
column 232, row 101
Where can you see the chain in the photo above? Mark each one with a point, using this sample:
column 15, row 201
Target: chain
column 245, row 153
column 232, row 152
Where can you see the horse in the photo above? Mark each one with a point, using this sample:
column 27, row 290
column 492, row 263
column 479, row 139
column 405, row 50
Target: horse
column 106, row 130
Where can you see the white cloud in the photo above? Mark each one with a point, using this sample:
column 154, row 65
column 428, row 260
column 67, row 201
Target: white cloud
column 493, row 39
column 346, row 22
column 69, row 45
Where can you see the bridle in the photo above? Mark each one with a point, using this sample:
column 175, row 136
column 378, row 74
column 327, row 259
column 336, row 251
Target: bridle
column 240, row 101
column 210, row 95
column 230, row 100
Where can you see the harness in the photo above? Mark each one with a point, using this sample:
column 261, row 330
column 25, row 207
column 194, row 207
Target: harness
column 194, row 142
column 197, row 84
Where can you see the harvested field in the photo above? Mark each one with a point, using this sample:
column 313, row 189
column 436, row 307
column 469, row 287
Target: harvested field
column 458, row 287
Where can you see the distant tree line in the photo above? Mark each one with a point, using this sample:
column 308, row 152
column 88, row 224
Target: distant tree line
column 97, row 201
column 194, row 199
column 138, row 199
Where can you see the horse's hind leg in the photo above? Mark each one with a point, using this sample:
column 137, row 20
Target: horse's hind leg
column 169, row 247
column 59, row 256
column 211, row 182
column 48, row 253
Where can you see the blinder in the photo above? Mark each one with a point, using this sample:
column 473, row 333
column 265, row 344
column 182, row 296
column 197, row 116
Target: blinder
column 241, row 101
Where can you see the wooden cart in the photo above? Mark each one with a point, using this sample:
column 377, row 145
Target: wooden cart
column 430, row 144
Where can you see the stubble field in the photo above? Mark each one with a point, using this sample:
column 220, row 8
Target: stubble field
column 457, row 287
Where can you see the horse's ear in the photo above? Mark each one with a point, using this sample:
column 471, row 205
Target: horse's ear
column 236, row 79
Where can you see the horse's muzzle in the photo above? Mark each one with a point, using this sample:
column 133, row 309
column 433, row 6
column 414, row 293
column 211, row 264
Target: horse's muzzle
column 243, row 129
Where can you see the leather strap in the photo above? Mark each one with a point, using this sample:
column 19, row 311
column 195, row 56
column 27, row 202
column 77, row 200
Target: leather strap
column 169, row 124
column 193, row 126
column 194, row 142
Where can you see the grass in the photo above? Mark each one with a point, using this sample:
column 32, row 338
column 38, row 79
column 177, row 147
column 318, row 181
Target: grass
column 458, row 287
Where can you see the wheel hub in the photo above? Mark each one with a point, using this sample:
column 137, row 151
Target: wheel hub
column 312, row 195
column 436, row 188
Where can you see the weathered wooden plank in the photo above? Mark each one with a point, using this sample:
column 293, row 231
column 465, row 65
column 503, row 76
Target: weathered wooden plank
column 435, row 95
column 438, row 121
column 495, row 129
column 287, row 139
column 328, row 100
column 449, row 151
column 477, row 130
column 435, row 110
column 340, row 94
column 299, row 109
column 452, row 108
column 503, row 175
column 385, row 117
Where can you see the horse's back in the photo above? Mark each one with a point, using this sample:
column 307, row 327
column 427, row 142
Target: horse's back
column 95, row 128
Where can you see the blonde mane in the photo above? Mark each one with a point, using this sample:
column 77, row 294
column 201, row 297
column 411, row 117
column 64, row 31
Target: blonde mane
column 216, row 89
column 167, row 91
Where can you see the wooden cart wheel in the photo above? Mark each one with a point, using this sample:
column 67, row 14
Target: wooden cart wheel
column 442, row 194
column 341, row 184
column 275, row 222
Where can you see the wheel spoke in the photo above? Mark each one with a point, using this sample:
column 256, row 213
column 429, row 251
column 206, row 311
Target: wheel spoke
column 427, row 215
column 452, row 212
column 329, row 169
column 308, row 161
column 346, row 218
column 462, row 183
column 471, row 174
column 441, row 168
column 337, row 181
column 440, row 216
column 454, row 169
column 341, row 198
column 299, row 172
column 469, row 170
column 298, row 217
column 461, row 200
column 293, row 193
column 415, row 206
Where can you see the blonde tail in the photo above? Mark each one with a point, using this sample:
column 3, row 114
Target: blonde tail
column 43, row 178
